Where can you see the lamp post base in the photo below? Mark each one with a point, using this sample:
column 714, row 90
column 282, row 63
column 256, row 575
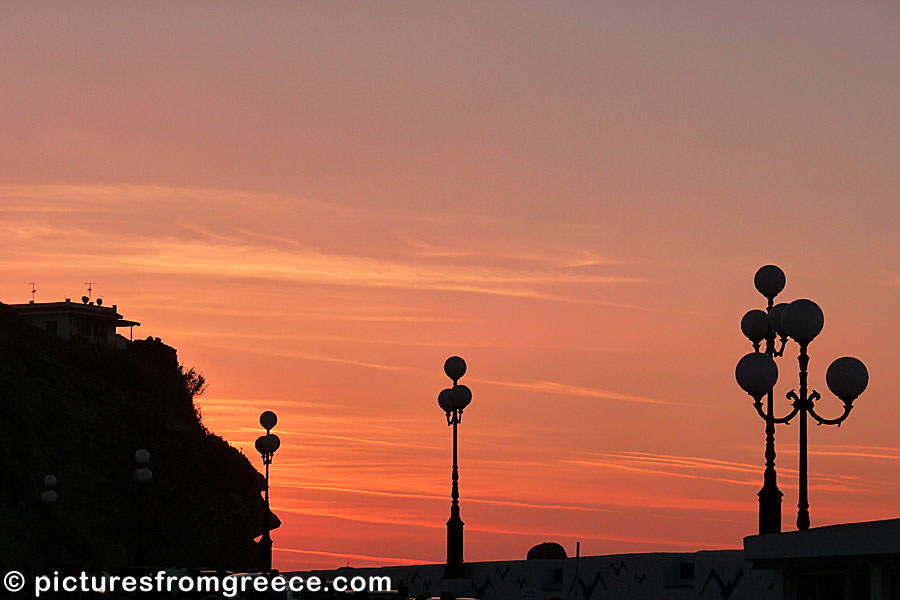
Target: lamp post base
column 455, row 569
column 769, row 510
column 456, row 588
column 265, row 553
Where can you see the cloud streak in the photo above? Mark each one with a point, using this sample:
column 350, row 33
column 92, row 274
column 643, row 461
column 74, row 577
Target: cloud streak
column 687, row 467
column 365, row 557
column 232, row 250
column 564, row 389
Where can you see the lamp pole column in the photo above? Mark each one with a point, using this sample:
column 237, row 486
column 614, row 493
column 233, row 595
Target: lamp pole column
column 453, row 401
column 770, row 496
column 265, row 544
column 142, row 475
column 266, row 445
column 454, row 568
column 803, row 498
column 48, row 498
column 758, row 325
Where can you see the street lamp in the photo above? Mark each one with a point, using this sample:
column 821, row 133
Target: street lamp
column 801, row 320
column 760, row 325
column 142, row 476
column 846, row 377
column 452, row 401
column 49, row 496
column 266, row 445
column 48, row 499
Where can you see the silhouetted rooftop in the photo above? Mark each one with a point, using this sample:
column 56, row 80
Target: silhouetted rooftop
column 90, row 308
column 871, row 538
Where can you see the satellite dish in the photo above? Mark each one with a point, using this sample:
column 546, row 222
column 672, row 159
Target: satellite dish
column 85, row 299
column 99, row 301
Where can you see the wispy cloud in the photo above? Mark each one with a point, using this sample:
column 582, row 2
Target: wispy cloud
column 243, row 402
column 380, row 314
column 650, row 471
column 564, row 389
column 473, row 500
column 526, row 529
column 229, row 247
column 317, row 357
column 889, row 278
column 691, row 467
column 352, row 439
column 205, row 258
column 855, row 454
column 349, row 556
column 660, row 506
column 73, row 197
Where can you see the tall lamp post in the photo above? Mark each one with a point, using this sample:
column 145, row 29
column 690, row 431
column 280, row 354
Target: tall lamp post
column 802, row 320
column 142, row 475
column 758, row 326
column 266, row 445
column 452, row 401
column 48, row 499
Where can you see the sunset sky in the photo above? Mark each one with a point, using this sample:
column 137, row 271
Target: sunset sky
column 318, row 203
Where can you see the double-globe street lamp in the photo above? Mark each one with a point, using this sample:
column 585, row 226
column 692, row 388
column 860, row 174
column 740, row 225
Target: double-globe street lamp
column 266, row 445
column 452, row 401
column 142, row 474
column 756, row 373
column 48, row 499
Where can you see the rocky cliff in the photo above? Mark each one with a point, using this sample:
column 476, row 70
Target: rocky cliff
column 80, row 412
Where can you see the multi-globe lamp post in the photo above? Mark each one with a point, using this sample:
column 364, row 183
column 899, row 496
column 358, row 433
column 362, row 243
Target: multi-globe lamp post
column 452, row 401
column 801, row 321
column 758, row 326
column 266, row 445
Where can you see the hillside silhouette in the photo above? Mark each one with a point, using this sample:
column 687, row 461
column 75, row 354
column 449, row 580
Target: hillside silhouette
column 80, row 412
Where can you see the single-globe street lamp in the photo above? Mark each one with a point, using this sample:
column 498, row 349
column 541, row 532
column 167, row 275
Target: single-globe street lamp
column 266, row 445
column 142, row 475
column 452, row 401
column 801, row 320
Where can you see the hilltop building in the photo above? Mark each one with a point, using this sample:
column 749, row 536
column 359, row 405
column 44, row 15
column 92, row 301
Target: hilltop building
column 89, row 321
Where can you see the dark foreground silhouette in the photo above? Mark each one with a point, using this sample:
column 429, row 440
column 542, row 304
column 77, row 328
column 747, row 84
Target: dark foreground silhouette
column 80, row 412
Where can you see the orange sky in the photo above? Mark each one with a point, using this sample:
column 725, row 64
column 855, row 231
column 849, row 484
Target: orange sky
column 318, row 204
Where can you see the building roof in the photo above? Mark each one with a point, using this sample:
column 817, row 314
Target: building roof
column 90, row 309
column 845, row 541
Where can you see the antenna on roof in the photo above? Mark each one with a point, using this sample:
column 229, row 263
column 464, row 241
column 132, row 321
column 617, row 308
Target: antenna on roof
column 32, row 291
column 90, row 289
